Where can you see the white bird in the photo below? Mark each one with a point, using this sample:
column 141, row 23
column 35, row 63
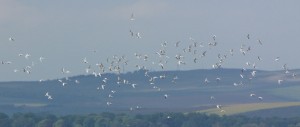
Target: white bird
column 287, row 71
column 11, row 39
column 253, row 73
column 41, row 59
column 206, row 81
column 166, row 96
column 50, row 97
column 16, row 70
column 260, row 98
column 242, row 76
column 138, row 35
column 280, row 81
column 214, row 37
column 47, row 94
column 133, row 85
column 277, row 59
column 27, row 56
column 104, row 80
column 64, row 83
column 248, row 63
column 108, row 103
column 218, row 79
column 161, row 65
column 294, row 75
column 102, row 87
column 138, row 107
column 64, row 71
column 252, row 95
column 77, row 82
column 219, row 106
column 85, row 61
column 162, row 76
column 41, row 80
column 235, row 84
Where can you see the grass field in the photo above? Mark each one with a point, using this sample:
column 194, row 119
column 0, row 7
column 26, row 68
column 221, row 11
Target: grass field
column 243, row 108
column 291, row 92
column 32, row 105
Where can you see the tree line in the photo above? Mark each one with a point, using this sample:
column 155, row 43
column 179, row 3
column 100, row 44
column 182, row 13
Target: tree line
column 143, row 120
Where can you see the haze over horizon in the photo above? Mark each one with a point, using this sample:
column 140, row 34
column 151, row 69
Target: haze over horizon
column 67, row 32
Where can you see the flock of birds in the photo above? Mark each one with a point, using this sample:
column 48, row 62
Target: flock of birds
column 160, row 59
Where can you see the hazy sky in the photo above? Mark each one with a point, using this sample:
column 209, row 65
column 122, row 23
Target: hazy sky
column 66, row 32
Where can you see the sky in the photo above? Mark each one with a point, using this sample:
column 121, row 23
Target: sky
column 66, row 32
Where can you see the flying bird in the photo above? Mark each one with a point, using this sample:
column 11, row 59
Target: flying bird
column 132, row 17
column 64, row 83
column 214, row 37
column 27, row 56
column 177, row 44
column 50, row 97
column 41, row 59
column 294, row 75
column 138, row 35
column 131, row 33
column 253, row 73
column 133, row 85
column 259, row 41
column 280, row 81
column 47, row 94
column 252, row 95
column 166, row 96
column 85, row 61
column 219, row 106
column 11, row 39
column 206, row 81
column 108, row 103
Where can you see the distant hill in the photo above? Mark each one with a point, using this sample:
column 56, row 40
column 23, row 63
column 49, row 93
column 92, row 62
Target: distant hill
column 186, row 91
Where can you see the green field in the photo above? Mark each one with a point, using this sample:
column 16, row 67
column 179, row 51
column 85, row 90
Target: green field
column 32, row 105
column 243, row 108
column 291, row 92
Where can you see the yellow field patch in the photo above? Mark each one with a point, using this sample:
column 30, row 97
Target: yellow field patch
column 242, row 108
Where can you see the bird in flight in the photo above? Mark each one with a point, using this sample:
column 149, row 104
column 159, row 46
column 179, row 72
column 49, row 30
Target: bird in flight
column 166, row 96
column 11, row 39
column 41, row 59
column 280, row 81
column 132, row 17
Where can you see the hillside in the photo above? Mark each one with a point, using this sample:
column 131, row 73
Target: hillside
column 186, row 91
